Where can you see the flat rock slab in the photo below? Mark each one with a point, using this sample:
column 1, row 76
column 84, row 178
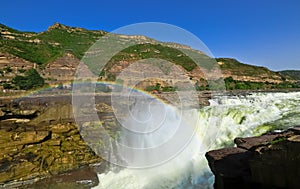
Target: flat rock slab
column 253, row 142
column 296, row 130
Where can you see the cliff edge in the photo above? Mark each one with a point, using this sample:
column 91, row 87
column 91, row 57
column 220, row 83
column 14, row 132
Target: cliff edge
column 268, row 161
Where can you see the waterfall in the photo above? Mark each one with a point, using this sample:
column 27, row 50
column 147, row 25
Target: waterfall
column 164, row 147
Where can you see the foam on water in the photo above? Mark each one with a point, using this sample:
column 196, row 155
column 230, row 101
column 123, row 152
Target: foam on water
column 216, row 126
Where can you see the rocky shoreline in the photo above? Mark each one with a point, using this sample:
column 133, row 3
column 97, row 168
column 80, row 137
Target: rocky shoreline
column 38, row 153
column 268, row 161
column 39, row 139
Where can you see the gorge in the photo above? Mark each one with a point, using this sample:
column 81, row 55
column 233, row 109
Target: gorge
column 51, row 136
column 226, row 118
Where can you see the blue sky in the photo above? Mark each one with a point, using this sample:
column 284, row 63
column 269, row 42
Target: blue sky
column 259, row 32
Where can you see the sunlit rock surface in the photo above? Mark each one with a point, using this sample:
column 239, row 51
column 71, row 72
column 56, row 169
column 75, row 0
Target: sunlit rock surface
column 268, row 161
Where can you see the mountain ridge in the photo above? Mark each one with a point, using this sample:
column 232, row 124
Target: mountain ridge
column 59, row 41
column 294, row 74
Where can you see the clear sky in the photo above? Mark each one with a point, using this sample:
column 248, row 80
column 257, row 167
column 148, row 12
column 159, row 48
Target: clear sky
column 259, row 32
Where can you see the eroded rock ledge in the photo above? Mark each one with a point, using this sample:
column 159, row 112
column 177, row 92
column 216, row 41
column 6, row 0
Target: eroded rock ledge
column 268, row 161
column 39, row 138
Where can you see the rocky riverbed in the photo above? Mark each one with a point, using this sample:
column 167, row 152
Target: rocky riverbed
column 39, row 138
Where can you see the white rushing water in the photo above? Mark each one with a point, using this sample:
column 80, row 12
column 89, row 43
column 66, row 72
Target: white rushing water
column 216, row 126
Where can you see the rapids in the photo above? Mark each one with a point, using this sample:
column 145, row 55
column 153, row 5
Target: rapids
column 172, row 155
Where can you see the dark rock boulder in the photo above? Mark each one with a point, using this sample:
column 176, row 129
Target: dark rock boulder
column 268, row 161
column 230, row 167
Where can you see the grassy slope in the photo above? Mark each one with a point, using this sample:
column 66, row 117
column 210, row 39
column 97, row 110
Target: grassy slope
column 239, row 68
column 52, row 43
column 145, row 51
column 294, row 74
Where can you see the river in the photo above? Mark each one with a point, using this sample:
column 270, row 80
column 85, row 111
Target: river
column 227, row 117
column 173, row 154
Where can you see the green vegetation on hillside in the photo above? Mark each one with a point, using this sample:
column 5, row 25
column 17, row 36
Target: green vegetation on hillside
column 231, row 84
column 45, row 47
column 146, row 51
column 239, row 68
column 31, row 80
column 160, row 88
column 294, row 74
column 75, row 40
column 38, row 53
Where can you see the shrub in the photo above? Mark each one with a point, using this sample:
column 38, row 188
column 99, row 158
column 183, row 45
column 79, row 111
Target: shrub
column 7, row 86
column 7, row 69
column 32, row 79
